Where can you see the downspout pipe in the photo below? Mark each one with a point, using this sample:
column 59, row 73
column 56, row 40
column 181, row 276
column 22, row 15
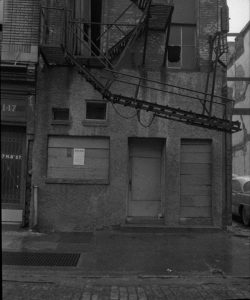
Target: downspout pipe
column 35, row 205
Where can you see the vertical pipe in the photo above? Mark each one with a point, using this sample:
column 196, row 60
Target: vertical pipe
column 167, row 38
column 218, row 37
column 35, row 208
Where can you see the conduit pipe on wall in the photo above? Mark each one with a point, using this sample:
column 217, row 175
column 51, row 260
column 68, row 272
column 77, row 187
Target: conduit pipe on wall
column 35, row 207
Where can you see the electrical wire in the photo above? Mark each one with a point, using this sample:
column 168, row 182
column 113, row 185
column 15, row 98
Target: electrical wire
column 121, row 115
column 167, row 84
column 139, row 119
column 166, row 91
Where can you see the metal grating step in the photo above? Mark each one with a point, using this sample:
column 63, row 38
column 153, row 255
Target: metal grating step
column 40, row 259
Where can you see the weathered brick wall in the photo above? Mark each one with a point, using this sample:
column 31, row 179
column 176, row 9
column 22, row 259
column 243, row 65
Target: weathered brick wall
column 209, row 23
column 75, row 207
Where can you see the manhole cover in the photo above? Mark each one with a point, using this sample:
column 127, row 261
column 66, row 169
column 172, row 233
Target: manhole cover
column 40, row 259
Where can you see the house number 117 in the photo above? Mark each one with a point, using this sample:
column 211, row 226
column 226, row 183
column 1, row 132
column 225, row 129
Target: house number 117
column 9, row 107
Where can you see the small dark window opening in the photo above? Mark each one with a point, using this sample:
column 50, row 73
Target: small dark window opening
column 60, row 114
column 96, row 110
column 174, row 53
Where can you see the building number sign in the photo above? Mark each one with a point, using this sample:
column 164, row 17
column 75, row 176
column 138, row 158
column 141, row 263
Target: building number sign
column 8, row 107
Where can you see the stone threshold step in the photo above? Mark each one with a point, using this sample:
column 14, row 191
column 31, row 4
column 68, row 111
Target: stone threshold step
column 164, row 228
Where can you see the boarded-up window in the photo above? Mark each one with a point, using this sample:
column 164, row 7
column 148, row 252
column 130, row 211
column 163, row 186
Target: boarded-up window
column 196, row 163
column 80, row 158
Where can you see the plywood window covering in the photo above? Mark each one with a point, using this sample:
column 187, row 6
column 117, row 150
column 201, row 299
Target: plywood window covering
column 78, row 158
column 196, row 183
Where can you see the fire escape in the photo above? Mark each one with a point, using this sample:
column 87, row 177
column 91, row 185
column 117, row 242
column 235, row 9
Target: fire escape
column 75, row 35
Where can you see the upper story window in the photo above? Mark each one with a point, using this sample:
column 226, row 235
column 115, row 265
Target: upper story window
column 182, row 41
column 86, row 15
column 182, row 47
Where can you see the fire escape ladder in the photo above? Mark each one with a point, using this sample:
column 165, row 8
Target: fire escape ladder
column 217, row 47
column 150, row 14
column 131, row 36
column 127, row 41
column 141, row 4
column 161, row 111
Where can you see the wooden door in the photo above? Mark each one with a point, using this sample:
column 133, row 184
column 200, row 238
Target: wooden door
column 145, row 178
column 195, row 182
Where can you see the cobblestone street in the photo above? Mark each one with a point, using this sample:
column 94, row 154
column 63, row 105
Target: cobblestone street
column 96, row 290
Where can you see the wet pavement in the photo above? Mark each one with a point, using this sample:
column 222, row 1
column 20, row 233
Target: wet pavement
column 145, row 253
column 133, row 265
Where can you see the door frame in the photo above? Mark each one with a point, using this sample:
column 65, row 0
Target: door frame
column 163, row 174
column 21, row 204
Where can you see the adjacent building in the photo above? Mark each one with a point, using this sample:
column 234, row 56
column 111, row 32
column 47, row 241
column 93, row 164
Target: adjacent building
column 239, row 89
column 19, row 57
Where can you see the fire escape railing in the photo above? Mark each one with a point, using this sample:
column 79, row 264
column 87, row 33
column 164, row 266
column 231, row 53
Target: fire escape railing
column 77, row 31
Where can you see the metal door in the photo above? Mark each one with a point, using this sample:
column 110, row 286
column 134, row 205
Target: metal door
column 196, row 164
column 12, row 162
column 145, row 178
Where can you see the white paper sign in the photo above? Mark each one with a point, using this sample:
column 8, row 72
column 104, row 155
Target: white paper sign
column 79, row 156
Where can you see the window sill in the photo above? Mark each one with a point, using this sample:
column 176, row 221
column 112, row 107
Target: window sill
column 60, row 122
column 95, row 123
column 77, row 181
column 195, row 69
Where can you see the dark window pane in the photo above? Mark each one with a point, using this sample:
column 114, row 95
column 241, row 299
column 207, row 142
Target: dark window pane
column 188, row 57
column 188, row 35
column 175, row 36
column 174, row 53
column 60, row 114
column 96, row 110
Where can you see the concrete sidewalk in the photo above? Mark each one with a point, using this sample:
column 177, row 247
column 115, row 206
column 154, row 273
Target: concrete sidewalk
column 145, row 253
column 114, row 264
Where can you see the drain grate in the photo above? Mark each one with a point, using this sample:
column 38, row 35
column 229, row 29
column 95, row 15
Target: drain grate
column 40, row 259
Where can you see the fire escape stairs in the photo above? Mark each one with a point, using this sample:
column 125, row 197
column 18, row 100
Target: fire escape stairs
column 118, row 48
column 141, row 4
column 148, row 19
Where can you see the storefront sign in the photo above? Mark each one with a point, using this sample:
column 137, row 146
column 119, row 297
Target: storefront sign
column 11, row 156
column 79, row 157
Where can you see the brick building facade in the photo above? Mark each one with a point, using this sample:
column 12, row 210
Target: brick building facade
column 96, row 163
